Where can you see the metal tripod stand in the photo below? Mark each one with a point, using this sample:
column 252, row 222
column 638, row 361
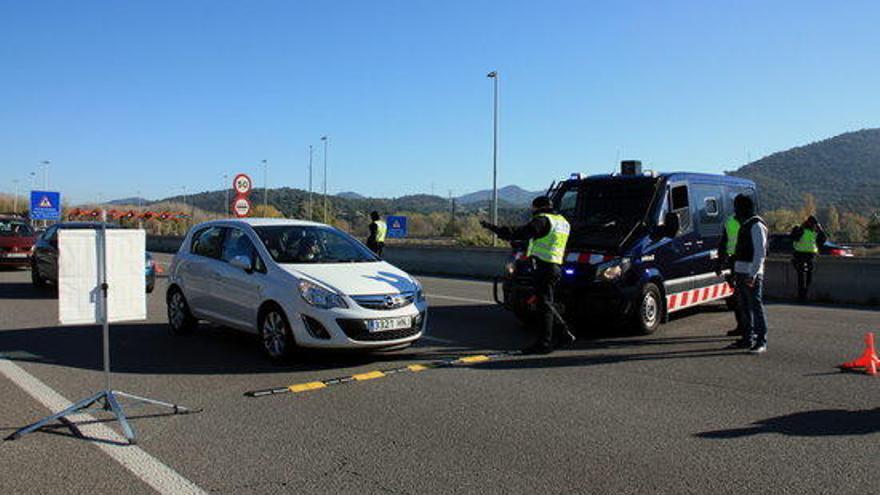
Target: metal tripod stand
column 107, row 398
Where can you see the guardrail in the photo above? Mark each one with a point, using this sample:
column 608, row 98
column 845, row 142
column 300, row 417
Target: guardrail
column 837, row 280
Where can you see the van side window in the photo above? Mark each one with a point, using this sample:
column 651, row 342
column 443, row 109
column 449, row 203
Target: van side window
column 679, row 203
column 709, row 200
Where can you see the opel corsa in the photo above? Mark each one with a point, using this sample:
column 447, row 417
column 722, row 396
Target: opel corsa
column 296, row 284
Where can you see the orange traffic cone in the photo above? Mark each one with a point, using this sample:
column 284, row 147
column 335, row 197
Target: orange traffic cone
column 869, row 360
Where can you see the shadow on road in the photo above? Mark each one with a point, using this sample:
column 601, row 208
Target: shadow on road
column 25, row 291
column 825, row 422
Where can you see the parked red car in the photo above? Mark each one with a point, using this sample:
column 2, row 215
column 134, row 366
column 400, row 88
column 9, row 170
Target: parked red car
column 16, row 240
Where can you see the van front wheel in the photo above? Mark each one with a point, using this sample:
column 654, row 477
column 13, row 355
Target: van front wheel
column 649, row 310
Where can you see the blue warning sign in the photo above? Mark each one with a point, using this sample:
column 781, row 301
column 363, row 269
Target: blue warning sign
column 45, row 205
column 396, row 227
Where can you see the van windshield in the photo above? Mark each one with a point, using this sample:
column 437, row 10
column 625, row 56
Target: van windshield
column 310, row 244
column 607, row 210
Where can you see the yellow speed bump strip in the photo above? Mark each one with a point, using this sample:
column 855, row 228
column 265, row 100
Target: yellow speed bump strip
column 372, row 375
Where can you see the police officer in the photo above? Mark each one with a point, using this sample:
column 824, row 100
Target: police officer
column 378, row 230
column 547, row 233
column 726, row 251
column 807, row 238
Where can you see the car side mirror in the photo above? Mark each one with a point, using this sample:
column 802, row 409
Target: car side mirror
column 671, row 225
column 243, row 263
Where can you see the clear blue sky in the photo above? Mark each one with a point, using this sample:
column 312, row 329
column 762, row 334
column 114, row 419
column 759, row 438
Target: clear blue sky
column 151, row 96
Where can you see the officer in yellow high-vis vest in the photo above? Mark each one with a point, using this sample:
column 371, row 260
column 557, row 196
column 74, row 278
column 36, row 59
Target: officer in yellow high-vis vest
column 378, row 231
column 547, row 234
column 726, row 250
column 806, row 239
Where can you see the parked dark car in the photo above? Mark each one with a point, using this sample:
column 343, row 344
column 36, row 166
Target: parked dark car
column 16, row 241
column 44, row 262
column 784, row 244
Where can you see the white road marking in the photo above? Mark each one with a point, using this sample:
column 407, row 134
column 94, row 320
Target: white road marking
column 464, row 299
column 150, row 470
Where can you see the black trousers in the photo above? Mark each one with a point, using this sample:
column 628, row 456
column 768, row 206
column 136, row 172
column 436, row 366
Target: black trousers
column 547, row 275
column 376, row 247
column 803, row 265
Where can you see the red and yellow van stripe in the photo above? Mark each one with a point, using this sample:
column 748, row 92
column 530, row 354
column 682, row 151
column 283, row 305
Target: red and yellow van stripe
column 693, row 297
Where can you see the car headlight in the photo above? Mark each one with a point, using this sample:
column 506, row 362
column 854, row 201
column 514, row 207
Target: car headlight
column 320, row 297
column 613, row 269
column 420, row 293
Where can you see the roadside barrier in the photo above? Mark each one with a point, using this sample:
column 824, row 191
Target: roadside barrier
column 836, row 280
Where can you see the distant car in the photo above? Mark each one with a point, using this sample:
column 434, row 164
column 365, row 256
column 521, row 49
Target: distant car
column 17, row 238
column 44, row 261
column 150, row 272
column 784, row 244
column 293, row 283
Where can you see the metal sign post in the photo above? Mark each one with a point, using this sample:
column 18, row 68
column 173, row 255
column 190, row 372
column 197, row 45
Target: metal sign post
column 107, row 399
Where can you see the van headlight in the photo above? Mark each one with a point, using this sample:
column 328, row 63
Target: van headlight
column 612, row 270
column 320, row 297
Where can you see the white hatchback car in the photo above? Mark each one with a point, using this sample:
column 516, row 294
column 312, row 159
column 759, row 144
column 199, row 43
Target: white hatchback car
column 295, row 284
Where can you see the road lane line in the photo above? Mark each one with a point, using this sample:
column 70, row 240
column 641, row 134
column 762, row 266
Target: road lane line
column 464, row 299
column 147, row 468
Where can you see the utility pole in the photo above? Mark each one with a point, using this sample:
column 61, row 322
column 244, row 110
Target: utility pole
column 326, row 142
column 15, row 198
column 46, row 174
column 310, row 210
column 494, row 76
column 226, row 189
column 265, row 186
column 140, row 205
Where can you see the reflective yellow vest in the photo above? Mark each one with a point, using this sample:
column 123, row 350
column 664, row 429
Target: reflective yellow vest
column 807, row 242
column 551, row 247
column 381, row 230
column 731, row 226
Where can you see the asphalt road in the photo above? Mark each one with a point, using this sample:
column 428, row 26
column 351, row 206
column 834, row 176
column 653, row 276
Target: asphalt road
column 670, row 413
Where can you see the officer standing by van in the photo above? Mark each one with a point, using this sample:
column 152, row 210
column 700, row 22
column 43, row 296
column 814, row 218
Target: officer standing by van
column 378, row 231
column 547, row 234
column 726, row 252
column 749, row 257
column 807, row 238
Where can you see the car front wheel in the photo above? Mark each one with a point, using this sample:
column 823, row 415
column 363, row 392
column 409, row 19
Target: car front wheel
column 275, row 335
column 36, row 279
column 649, row 310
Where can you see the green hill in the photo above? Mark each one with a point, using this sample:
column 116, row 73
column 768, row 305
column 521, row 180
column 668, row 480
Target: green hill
column 843, row 171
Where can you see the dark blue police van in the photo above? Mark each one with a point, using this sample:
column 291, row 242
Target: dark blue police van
column 642, row 246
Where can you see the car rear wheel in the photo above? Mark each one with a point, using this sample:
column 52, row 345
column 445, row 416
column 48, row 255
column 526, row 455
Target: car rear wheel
column 275, row 335
column 180, row 319
column 649, row 310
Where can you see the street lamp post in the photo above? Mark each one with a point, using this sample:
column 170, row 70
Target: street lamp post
column 494, row 76
column 326, row 141
column 15, row 198
column 45, row 164
column 311, row 214
column 265, row 185
column 226, row 190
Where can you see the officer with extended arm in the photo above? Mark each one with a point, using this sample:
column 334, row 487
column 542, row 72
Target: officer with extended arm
column 807, row 238
column 547, row 234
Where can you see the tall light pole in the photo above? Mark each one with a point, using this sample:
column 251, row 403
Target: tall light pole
column 226, row 188
column 265, row 185
column 311, row 214
column 326, row 141
column 494, row 76
column 140, row 206
column 15, row 198
column 45, row 164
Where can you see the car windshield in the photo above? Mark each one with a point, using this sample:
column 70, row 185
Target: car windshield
column 607, row 210
column 312, row 244
column 15, row 228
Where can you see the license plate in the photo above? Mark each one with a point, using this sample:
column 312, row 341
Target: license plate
column 386, row 324
column 16, row 255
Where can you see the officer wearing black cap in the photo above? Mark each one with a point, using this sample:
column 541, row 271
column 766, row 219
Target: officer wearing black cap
column 547, row 233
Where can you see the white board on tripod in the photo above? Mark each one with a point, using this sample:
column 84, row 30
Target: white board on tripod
column 79, row 276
